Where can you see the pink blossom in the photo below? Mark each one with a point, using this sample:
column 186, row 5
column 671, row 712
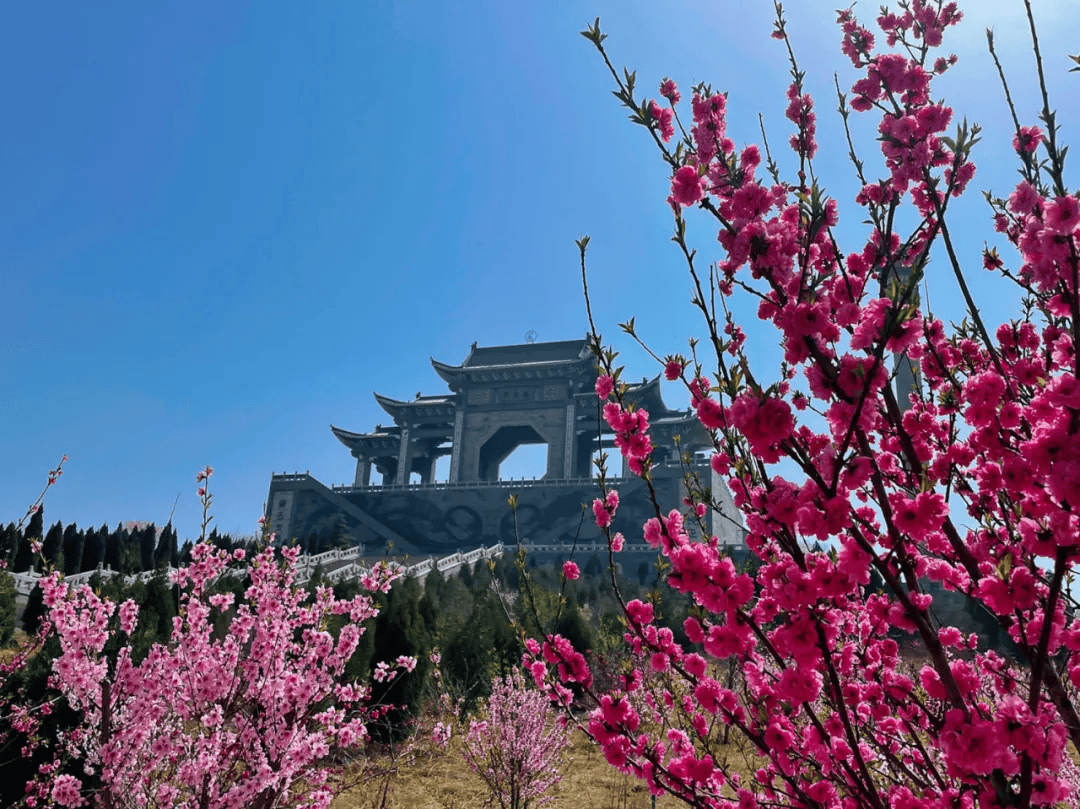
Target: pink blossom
column 687, row 188
column 1063, row 214
column 604, row 386
column 518, row 750
column 571, row 570
column 129, row 612
column 669, row 91
column 1028, row 139
column 1024, row 199
column 664, row 118
column 66, row 791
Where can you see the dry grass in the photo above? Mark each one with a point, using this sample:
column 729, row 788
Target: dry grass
column 444, row 781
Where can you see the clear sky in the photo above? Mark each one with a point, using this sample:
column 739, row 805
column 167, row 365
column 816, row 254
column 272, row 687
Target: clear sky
column 224, row 225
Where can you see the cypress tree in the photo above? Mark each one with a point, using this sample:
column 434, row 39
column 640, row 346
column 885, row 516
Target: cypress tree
column 52, row 548
column 72, row 544
column 35, row 608
column 9, row 542
column 93, row 549
column 146, row 539
column 114, row 548
column 7, row 609
column 166, row 546
column 434, row 583
column 402, row 628
column 466, row 575
column 35, row 529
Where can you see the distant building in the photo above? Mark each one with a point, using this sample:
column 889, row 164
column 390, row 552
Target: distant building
column 499, row 398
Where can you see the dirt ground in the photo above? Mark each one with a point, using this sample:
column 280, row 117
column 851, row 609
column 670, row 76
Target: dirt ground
column 444, row 781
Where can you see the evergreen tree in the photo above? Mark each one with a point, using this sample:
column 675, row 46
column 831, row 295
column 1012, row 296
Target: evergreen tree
column 93, row 549
column 7, row 609
column 593, row 567
column 130, row 556
column 316, row 580
column 166, row 547
column 72, row 543
column 146, row 540
column 223, row 541
column 35, row 528
column 363, row 658
column 24, row 557
column 466, row 575
column 573, row 626
column 404, row 626
column 29, row 686
column 434, row 583
column 482, row 646
column 114, row 543
column 35, row 608
column 52, row 548
column 9, row 543
column 157, row 608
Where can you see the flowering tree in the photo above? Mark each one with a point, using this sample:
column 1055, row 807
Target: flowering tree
column 990, row 424
column 20, row 714
column 517, row 748
column 245, row 718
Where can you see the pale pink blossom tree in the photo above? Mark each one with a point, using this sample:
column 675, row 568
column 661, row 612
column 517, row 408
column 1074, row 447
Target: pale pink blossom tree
column 20, row 718
column 256, row 716
column 518, row 746
column 252, row 718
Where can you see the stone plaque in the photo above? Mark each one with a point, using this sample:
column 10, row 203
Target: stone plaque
column 515, row 395
column 281, row 512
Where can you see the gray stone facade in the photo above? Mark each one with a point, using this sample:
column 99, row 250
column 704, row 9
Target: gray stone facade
column 500, row 397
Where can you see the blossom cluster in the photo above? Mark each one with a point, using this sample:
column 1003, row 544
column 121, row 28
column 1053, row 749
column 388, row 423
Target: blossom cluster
column 517, row 748
column 244, row 717
column 804, row 656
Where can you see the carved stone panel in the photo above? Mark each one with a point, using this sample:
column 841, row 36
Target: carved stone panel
column 516, row 395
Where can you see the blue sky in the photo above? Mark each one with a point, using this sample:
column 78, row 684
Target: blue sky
column 223, row 225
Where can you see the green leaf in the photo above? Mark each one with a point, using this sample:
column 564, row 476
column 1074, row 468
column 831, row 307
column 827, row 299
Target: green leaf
column 1005, row 565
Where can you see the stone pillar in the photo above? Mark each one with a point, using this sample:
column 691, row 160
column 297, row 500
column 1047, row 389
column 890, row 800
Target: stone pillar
column 386, row 468
column 427, row 470
column 455, row 456
column 906, row 371
column 569, row 445
column 404, row 461
column 363, row 472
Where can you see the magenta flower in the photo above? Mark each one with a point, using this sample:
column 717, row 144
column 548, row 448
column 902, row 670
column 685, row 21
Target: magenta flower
column 687, row 187
column 1028, row 139
column 669, row 91
column 570, row 570
column 604, row 386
